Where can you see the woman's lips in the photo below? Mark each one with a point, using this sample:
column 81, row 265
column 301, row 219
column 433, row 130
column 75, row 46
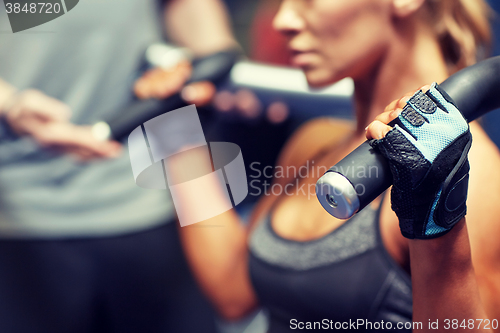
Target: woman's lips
column 302, row 59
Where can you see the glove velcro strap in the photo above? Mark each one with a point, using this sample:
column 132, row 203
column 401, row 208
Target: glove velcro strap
column 452, row 207
column 450, row 203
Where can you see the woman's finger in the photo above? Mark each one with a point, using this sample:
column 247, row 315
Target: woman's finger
column 401, row 102
column 425, row 88
column 377, row 130
column 388, row 116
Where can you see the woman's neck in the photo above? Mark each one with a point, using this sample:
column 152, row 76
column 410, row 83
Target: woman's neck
column 413, row 59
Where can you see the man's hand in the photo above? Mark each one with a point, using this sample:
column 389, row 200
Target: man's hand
column 162, row 83
column 46, row 119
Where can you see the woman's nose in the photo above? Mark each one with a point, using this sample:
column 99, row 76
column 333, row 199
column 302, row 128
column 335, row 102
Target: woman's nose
column 288, row 21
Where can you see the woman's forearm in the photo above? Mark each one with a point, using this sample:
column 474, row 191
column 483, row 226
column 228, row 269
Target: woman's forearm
column 216, row 248
column 217, row 252
column 444, row 283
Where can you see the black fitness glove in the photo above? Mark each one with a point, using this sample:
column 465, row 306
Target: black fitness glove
column 427, row 152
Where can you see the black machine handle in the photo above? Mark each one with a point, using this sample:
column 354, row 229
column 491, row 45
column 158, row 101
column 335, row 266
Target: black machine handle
column 213, row 68
column 475, row 90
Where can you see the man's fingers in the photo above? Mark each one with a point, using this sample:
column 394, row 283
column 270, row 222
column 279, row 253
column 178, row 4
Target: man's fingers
column 54, row 110
column 76, row 139
column 161, row 83
column 37, row 104
column 80, row 154
column 32, row 107
column 199, row 93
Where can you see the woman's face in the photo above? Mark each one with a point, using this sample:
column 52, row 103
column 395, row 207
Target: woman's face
column 333, row 39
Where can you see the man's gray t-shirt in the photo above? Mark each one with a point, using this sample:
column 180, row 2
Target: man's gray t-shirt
column 86, row 58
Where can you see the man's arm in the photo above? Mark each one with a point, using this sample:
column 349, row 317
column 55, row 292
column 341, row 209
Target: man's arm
column 200, row 25
column 203, row 26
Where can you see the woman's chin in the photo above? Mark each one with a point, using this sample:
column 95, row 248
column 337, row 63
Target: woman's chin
column 319, row 79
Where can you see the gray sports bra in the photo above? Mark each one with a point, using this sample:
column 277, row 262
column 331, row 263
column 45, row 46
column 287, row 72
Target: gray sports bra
column 342, row 277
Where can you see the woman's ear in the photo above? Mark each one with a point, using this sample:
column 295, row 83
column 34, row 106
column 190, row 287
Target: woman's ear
column 404, row 8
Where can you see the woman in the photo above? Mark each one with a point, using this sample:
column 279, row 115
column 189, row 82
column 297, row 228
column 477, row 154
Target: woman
column 304, row 265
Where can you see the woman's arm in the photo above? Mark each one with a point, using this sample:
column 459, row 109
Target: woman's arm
column 444, row 282
column 217, row 252
column 483, row 223
column 427, row 149
column 215, row 248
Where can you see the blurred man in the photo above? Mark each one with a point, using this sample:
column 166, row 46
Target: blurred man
column 82, row 248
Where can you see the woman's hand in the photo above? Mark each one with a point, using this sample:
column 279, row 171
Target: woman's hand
column 378, row 128
column 426, row 147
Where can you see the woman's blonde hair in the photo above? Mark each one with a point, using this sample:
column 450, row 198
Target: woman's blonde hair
column 463, row 29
